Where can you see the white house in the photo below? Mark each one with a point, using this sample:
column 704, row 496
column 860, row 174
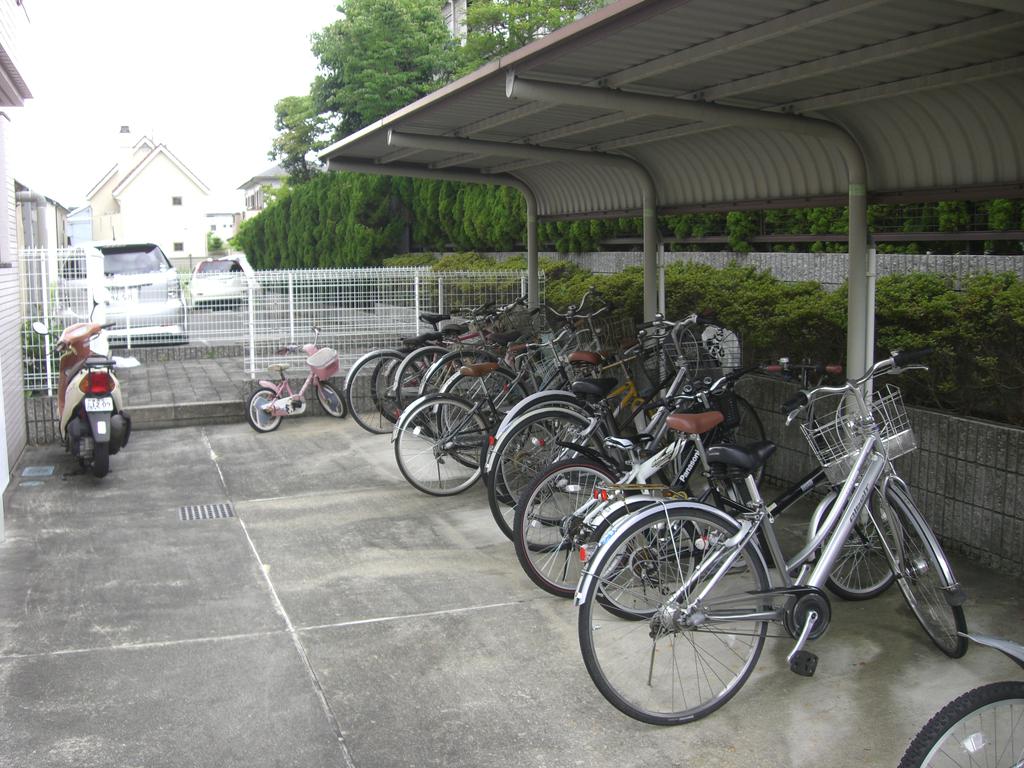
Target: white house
column 151, row 196
column 254, row 189
column 13, row 92
column 80, row 225
column 222, row 225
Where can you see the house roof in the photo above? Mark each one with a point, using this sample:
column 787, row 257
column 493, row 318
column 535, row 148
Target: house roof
column 160, row 150
column 749, row 101
column 274, row 173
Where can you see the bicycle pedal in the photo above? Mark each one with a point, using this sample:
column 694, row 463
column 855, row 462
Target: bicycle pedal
column 804, row 663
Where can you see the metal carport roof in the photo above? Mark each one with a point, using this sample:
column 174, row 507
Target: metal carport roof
column 659, row 106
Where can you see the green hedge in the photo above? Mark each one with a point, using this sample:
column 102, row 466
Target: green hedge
column 977, row 332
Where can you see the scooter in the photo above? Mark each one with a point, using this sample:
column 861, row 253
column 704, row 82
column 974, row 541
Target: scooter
column 93, row 424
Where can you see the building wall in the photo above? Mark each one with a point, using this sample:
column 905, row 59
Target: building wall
column 10, row 313
column 148, row 213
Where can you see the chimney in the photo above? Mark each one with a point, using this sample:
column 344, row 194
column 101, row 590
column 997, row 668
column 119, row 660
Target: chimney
column 124, row 150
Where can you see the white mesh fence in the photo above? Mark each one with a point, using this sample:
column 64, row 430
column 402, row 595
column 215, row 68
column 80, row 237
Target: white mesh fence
column 358, row 310
column 254, row 320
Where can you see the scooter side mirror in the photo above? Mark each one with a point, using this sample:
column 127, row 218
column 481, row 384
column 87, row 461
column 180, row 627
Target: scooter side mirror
column 40, row 328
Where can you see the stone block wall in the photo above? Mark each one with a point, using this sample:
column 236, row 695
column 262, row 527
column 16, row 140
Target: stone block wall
column 829, row 269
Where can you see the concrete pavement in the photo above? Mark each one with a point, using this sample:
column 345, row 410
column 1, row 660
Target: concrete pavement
column 341, row 618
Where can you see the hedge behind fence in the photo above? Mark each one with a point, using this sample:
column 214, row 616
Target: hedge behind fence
column 977, row 332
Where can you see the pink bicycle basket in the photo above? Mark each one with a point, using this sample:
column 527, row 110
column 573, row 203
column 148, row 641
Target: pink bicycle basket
column 324, row 363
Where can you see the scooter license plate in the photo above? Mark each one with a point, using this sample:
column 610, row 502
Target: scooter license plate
column 94, row 404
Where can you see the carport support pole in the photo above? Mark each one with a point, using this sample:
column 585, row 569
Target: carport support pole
column 532, row 262
column 651, row 242
column 858, row 346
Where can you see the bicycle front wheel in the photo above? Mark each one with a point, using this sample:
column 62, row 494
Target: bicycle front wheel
column 332, row 402
column 523, row 452
column 437, row 445
column 984, row 727
column 925, row 576
column 668, row 662
column 361, row 390
column 862, row 570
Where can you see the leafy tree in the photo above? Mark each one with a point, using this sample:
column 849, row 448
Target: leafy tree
column 381, row 56
column 299, row 128
column 495, row 27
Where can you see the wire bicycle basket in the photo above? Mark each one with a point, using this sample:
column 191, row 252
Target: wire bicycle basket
column 837, row 436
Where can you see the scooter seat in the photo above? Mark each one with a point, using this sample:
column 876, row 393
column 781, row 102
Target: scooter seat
column 278, row 367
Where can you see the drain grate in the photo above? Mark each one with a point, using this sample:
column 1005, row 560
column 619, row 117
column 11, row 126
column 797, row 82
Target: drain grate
column 205, row 512
column 37, row 471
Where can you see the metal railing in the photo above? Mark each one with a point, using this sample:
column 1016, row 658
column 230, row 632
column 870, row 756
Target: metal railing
column 253, row 319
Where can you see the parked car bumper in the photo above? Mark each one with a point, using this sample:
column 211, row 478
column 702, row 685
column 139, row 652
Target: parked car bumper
column 157, row 322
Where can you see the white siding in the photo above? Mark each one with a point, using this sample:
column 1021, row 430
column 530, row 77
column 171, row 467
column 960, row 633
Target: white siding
column 10, row 313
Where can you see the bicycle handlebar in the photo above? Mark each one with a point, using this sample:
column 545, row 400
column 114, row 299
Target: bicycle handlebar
column 895, row 364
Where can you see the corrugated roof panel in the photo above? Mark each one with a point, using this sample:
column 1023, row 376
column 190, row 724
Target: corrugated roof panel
column 932, row 135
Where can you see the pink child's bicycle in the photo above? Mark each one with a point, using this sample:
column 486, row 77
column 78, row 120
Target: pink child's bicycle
column 275, row 400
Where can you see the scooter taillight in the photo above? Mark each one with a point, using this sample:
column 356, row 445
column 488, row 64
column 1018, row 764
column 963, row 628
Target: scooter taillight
column 97, row 383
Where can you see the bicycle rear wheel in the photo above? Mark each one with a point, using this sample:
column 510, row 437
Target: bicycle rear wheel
column 546, row 524
column 411, row 371
column 667, row 663
column 361, row 390
column 925, row 576
column 984, row 727
column 437, row 445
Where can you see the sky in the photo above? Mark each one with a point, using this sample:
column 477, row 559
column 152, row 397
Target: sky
column 201, row 76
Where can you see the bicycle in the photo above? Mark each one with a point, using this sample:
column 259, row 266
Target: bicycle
column 272, row 401
column 369, row 388
column 695, row 584
column 568, row 506
column 439, row 439
column 983, row 727
column 561, row 427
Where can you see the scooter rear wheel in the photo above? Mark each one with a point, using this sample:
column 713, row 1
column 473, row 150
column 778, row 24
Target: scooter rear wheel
column 100, row 459
column 258, row 418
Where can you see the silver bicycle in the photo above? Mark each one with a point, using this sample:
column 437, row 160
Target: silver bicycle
column 677, row 602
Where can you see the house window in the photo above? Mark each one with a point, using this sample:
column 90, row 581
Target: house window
column 179, row 246
column 213, row 227
column 175, row 201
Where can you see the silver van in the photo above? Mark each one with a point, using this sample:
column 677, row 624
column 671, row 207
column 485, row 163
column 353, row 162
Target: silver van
column 146, row 302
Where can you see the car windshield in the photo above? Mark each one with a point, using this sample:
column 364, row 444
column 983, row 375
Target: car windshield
column 121, row 261
column 209, row 267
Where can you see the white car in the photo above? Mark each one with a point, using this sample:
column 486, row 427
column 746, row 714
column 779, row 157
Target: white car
column 221, row 280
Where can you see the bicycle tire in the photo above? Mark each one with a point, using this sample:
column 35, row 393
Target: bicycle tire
column 661, row 671
column 922, row 567
column 543, row 523
column 412, row 369
column 500, row 384
column 522, row 452
column 360, row 394
column 332, row 402
column 862, row 570
column 437, row 445
column 384, row 383
column 984, row 726
column 448, row 365
column 259, row 419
